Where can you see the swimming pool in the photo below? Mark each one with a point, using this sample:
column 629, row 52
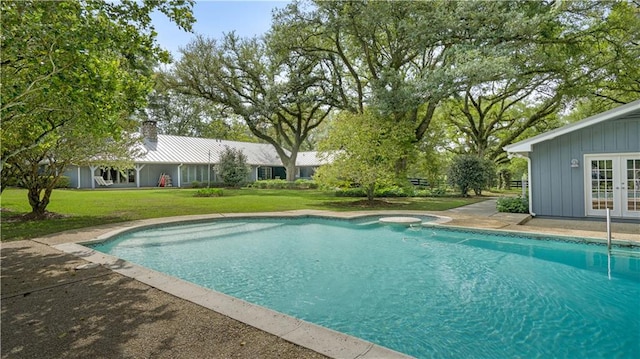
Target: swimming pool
column 427, row 292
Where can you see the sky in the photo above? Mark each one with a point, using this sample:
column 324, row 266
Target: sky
column 215, row 17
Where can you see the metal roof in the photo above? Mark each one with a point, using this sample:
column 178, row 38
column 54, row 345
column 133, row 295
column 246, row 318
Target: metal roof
column 194, row 150
column 525, row 146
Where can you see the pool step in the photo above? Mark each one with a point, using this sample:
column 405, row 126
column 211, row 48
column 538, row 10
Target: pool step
column 209, row 232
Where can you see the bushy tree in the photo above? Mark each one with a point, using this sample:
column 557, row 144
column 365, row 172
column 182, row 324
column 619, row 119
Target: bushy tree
column 73, row 73
column 467, row 172
column 366, row 157
column 232, row 167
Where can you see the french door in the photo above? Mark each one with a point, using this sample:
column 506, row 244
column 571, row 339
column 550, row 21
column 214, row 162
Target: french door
column 613, row 181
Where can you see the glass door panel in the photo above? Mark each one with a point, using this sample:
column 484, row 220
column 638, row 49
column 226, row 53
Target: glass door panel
column 614, row 184
column 632, row 193
column 602, row 185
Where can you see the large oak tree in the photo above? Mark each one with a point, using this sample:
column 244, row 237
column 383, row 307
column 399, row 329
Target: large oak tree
column 282, row 98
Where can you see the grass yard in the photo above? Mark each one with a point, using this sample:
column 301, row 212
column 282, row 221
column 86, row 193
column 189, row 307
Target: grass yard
column 86, row 208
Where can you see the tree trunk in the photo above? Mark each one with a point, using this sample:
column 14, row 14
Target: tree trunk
column 38, row 205
column 371, row 192
column 291, row 171
column 290, row 166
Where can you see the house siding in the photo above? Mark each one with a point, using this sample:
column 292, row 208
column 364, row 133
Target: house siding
column 557, row 188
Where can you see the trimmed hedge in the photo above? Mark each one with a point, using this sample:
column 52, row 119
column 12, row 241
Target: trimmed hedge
column 392, row 191
column 209, row 192
column 284, row 184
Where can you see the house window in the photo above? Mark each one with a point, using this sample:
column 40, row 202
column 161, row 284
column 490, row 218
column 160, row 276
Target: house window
column 265, row 173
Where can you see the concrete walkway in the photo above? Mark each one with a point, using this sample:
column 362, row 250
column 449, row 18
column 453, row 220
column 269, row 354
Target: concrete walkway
column 51, row 308
column 485, row 215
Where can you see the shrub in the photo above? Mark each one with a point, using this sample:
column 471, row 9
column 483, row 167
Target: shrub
column 209, row 192
column 394, row 191
column 232, row 167
column 389, row 191
column 513, row 204
column 284, row 184
column 195, row 184
column 351, row 192
column 467, row 172
column 274, row 184
column 305, row 184
column 63, row 182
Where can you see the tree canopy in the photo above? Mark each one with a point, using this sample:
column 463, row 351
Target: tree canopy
column 282, row 98
column 73, row 73
column 366, row 157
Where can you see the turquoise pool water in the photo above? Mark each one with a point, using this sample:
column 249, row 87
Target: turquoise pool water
column 428, row 292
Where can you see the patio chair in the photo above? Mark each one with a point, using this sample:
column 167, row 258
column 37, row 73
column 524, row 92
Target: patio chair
column 102, row 182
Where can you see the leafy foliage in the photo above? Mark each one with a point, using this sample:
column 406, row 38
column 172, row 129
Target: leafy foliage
column 209, row 192
column 280, row 97
column 467, row 172
column 283, row 184
column 368, row 157
column 72, row 75
column 232, row 167
column 504, row 178
column 513, row 204
column 186, row 115
column 501, row 71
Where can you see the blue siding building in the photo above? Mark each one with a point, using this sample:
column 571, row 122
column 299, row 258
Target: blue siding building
column 582, row 169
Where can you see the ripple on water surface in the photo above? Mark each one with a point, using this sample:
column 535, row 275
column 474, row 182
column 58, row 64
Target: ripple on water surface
column 425, row 292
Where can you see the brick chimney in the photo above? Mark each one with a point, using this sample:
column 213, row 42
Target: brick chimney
column 150, row 131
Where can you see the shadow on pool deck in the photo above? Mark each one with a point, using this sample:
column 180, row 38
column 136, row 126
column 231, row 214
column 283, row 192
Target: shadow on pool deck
column 50, row 309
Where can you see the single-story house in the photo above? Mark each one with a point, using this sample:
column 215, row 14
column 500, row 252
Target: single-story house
column 178, row 161
column 583, row 168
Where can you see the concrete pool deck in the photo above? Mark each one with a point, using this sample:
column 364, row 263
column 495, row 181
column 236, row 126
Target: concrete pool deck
column 51, row 308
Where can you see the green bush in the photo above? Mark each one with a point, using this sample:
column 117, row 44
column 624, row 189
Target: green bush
column 394, row 191
column 513, row 204
column 209, row 192
column 435, row 192
column 63, row 182
column 232, row 167
column 273, row 184
column 351, row 192
column 305, row 184
column 438, row 192
column 389, row 191
column 284, row 184
column 195, row 184
column 468, row 172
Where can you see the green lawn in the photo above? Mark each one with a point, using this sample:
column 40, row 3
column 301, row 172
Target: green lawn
column 85, row 208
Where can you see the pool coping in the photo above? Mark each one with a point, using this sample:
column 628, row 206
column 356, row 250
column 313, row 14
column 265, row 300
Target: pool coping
column 312, row 336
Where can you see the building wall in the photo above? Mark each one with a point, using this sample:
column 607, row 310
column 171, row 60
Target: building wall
column 557, row 188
